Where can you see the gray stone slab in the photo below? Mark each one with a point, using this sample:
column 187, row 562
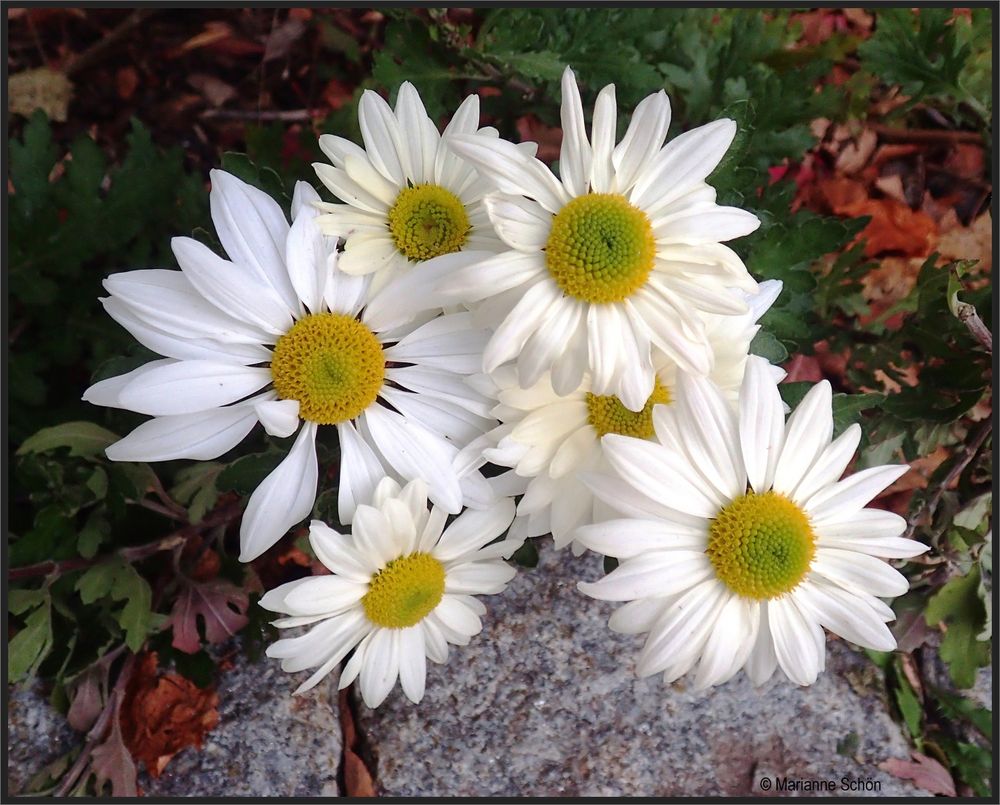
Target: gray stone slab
column 267, row 742
column 36, row 735
column 545, row 702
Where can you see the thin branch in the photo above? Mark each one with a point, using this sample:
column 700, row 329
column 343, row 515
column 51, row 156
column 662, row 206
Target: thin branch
column 96, row 52
column 930, row 505
column 924, row 135
column 286, row 116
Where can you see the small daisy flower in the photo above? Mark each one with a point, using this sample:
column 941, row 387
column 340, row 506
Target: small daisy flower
column 277, row 335
column 549, row 439
column 407, row 200
column 614, row 258
column 739, row 543
column 402, row 588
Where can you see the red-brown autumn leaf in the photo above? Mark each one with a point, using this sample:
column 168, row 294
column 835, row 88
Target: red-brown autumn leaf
column 163, row 713
column 894, row 227
column 925, row 772
column 219, row 604
column 112, row 763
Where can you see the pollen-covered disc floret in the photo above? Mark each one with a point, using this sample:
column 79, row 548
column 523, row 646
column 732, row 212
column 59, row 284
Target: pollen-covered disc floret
column 427, row 221
column 607, row 414
column 332, row 364
column 404, row 591
column 761, row 546
column 600, row 248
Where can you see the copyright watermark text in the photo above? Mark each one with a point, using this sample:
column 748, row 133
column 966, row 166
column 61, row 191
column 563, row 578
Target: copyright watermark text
column 831, row 785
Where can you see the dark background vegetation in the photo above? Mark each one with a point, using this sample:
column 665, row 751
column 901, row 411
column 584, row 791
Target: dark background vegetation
column 863, row 147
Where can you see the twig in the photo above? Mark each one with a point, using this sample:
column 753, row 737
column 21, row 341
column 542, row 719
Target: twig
column 95, row 52
column 159, row 508
column 968, row 454
column 180, row 513
column 924, row 135
column 97, row 732
column 285, row 116
column 970, row 318
column 132, row 554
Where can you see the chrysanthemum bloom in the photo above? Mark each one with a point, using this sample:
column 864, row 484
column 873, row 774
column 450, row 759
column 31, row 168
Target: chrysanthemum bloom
column 400, row 592
column 550, row 439
column 408, row 200
column 738, row 543
column 613, row 259
column 281, row 322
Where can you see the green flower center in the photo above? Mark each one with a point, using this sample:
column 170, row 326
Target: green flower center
column 607, row 414
column 405, row 591
column 427, row 221
column 600, row 248
column 761, row 546
column 332, row 364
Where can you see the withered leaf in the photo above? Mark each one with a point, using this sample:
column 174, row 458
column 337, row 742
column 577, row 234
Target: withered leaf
column 220, row 604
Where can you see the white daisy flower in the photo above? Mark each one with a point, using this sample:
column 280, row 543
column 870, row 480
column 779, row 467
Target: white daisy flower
column 281, row 322
column 401, row 590
column 738, row 543
column 611, row 260
column 408, row 200
column 549, row 439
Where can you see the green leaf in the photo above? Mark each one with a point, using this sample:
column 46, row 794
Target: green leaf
column 847, row 408
column 245, row 474
column 958, row 605
column 20, row 601
column 82, row 438
column 121, row 582
column 31, row 645
column 910, row 706
column 769, row 347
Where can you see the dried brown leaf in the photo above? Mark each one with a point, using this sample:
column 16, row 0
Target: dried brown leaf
column 925, row 772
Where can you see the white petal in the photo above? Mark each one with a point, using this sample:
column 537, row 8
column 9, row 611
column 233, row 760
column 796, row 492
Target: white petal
column 283, row 498
column 521, row 224
column 511, row 169
column 105, row 392
column 762, row 660
column 761, row 424
column 604, row 131
column 473, row 529
column 381, row 665
column 304, row 199
column 319, row 594
column 348, row 190
column 657, row 573
column 683, row 162
column 231, row 288
column 479, row 578
column 574, row 154
column 632, row 537
column 383, row 138
column 858, row 571
column 458, row 617
column 185, row 387
column 491, row 275
column 202, row 436
column 336, row 552
column 729, row 643
column 844, row 498
column 252, row 229
column 420, row 135
column 279, row 417
column 642, row 140
column 412, row 662
column 794, row 645
column 705, row 223
column 367, row 253
column 842, row 614
column 414, row 452
column 807, row 433
column 829, row 465
column 306, row 257
column 360, row 472
column 510, row 337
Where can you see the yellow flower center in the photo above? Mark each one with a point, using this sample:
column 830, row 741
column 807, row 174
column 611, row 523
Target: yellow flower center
column 761, row 546
column 607, row 414
column 332, row 364
column 600, row 248
column 405, row 591
column 427, row 221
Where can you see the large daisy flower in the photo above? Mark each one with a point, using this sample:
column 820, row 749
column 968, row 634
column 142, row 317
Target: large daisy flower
column 612, row 259
column 549, row 439
column 280, row 322
column 402, row 588
column 739, row 543
column 407, row 200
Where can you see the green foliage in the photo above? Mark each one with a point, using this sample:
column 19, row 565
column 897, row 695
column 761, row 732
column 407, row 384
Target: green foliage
column 959, row 606
column 935, row 55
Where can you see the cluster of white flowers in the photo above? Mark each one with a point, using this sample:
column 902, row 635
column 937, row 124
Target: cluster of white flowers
column 463, row 306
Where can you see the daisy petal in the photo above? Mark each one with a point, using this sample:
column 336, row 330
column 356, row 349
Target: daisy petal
column 184, row 387
column 201, row 436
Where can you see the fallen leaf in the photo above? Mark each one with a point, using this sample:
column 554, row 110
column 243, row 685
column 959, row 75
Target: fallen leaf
column 280, row 40
column 857, row 152
column 973, row 242
column 87, row 700
column 925, row 772
column 126, row 82
column 45, row 89
column 358, row 780
column 216, row 91
column 163, row 713
column 221, row 606
column 112, row 762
